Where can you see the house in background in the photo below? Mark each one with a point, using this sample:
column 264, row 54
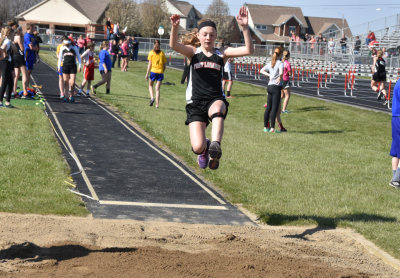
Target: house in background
column 274, row 24
column 328, row 27
column 84, row 16
column 188, row 13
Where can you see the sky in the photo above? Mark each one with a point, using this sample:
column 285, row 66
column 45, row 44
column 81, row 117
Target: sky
column 356, row 12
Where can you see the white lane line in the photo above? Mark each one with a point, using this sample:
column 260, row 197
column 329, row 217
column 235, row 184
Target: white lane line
column 165, row 156
column 85, row 177
column 139, row 204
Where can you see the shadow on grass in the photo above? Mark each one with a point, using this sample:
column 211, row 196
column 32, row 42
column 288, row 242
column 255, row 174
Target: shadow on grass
column 312, row 108
column 323, row 132
column 323, row 223
column 30, row 252
column 248, row 95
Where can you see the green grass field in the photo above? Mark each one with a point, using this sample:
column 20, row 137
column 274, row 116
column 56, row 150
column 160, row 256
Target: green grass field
column 33, row 171
column 331, row 169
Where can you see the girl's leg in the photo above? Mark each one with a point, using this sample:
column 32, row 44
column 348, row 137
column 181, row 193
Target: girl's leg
column 229, row 88
column 151, row 82
column 108, row 81
column 83, row 85
column 197, row 134
column 216, row 112
column 268, row 110
column 287, row 97
column 374, row 86
column 382, row 88
column 24, row 79
column 66, row 85
column 72, row 84
column 218, row 108
column 158, row 85
column 61, row 85
column 276, row 100
column 17, row 72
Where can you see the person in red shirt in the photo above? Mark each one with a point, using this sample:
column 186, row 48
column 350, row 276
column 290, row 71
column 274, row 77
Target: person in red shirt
column 370, row 37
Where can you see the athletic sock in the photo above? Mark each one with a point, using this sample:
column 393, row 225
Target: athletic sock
column 87, row 91
column 393, row 173
column 280, row 125
column 107, row 91
column 229, row 93
column 396, row 176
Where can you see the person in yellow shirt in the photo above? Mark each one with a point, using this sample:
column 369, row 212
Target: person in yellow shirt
column 155, row 70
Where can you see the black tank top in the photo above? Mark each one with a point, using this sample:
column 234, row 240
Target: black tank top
column 68, row 56
column 380, row 65
column 205, row 82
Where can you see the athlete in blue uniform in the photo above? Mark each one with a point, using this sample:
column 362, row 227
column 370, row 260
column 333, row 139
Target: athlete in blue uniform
column 395, row 149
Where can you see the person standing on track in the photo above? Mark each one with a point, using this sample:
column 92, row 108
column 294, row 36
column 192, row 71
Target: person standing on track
column 395, row 148
column 105, row 65
column 68, row 57
column 273, row 70
column 88, row 69
column 155, row 71
column 204, row 93
column 379, row 75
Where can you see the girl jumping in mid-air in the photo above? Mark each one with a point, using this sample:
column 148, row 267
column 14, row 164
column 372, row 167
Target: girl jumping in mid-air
column 204, row 94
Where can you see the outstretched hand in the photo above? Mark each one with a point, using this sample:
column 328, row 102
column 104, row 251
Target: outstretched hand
column 175, row 20
column 242, row 18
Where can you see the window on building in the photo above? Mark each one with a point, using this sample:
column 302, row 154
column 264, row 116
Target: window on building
column 331, row 33
column 261, row 27
column 292, row 29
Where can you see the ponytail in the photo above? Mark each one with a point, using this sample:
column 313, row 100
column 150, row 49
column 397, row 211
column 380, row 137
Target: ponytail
column 275, row 56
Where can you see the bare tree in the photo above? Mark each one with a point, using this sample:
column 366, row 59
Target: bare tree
column 154, row 13
column 11, row 8
column 218, row 11
column 126, row 12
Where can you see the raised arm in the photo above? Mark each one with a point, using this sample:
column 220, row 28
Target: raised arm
column 243, row 20
column 186, row 50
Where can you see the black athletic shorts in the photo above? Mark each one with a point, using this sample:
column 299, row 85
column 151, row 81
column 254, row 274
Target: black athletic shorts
column 286, row 84
column 66, row 69
column 227, row 76
column 197, row 111
column 379, row 77
column 19, row 61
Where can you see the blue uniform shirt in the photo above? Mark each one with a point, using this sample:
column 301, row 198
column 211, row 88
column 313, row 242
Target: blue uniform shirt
column 396, row 100
column 30, row 55
column 105, row 58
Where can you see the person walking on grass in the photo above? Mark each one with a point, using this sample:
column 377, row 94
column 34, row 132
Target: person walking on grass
column 379, row 76
column 273, row 70
column 7, row 81
column 88, row 69
column 155, row 71
column 227, row 79
column 204, row 94
column 105, row 65
column 68, row 58
column 395, row 148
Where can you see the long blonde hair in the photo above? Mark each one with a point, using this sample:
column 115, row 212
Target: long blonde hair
column 379, row 53
column 5, row 33
column 276, row 55
column 191, row 38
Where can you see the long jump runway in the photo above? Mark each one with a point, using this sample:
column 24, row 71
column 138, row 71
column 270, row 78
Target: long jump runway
column 123, row 174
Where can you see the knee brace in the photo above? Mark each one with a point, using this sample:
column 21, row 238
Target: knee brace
column 217, row 115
